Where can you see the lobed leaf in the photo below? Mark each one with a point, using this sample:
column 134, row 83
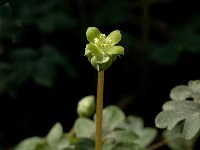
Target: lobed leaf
column 145, row 134
column 112, row 118
column 84, row 128
column 29, row 143
column 177, row 111
column 175, row 141
column 55, row 135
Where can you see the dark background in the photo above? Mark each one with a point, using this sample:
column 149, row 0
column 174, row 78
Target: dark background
column 44, row 73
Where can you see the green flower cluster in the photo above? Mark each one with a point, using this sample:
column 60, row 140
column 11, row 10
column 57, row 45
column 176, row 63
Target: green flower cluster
column 101, row 51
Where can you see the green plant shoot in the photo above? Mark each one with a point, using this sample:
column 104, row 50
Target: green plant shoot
column 101, row 52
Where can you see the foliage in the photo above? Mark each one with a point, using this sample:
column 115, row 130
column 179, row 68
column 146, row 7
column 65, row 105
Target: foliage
column 183, row 38
column 181, row 115
column 119, row 132
column 19, row 64
column 27, row 53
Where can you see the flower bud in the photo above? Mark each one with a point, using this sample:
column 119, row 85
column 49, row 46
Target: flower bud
column 86, row 106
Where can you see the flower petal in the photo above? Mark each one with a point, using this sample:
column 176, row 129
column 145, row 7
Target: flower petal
column 90, row 48
column 92, row 33
column 114, row 36
column 101, row 62
column 116, row 50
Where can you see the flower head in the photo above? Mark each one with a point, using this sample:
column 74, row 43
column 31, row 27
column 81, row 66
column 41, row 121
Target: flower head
column 101, row 51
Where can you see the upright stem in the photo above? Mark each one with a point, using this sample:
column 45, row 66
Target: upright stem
column 99, row 109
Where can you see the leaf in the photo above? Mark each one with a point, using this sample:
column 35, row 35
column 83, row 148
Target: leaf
column 5, row 11
column 195, row 88
column 166, row 54
column 42, row 147
column 181, row 92
column 56, row 21
column 29, row 143
column 85, row 144
column 117, row 10
column 55, row 135
column 64, row 143
column 67, row 66
column 121, row 136
column 146, row 135
column 84, row 128
column 59, row 60
column 108, row 145
column 175, row 141
column 128, row 146
column 23, row 55
column 177, row 111
column 44, row 72
column 112, row 117
column 5, row 69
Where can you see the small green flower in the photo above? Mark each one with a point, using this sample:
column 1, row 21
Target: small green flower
column 101, row 51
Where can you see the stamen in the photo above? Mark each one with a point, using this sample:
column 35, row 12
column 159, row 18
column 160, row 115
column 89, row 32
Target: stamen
column 102, row 35
column 108, row 40
column 96, row 40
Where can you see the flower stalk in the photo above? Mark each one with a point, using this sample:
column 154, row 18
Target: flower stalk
column 101, row 51
column 99, row 108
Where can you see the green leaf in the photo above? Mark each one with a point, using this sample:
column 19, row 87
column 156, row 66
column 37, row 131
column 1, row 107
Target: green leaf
column 56, row 21
column 64, row 143
column 117, row 10
column 128, row 146
column 44, row 72
column 181, row 92
column 29, row 143
column 5, row 69
column 177, row 111
column 108, row 145
column 84, row 128
column 112, row 118
column 85, row 144
column 175, row 141
column 42, row 147
column 55, row 135
column 23, row 55
column 195, row 88
column 67, row 66
column 121, row 136
column 5, row 11
column 114, row 36
column 57, row 58
column 92, row 33
column 166, row 54
column 146, row 135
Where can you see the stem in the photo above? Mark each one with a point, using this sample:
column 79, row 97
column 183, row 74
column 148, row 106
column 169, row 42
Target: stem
column 163, row 142
column 99, row 109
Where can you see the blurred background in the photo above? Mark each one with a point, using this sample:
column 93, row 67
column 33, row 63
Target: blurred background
column 44, row 73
